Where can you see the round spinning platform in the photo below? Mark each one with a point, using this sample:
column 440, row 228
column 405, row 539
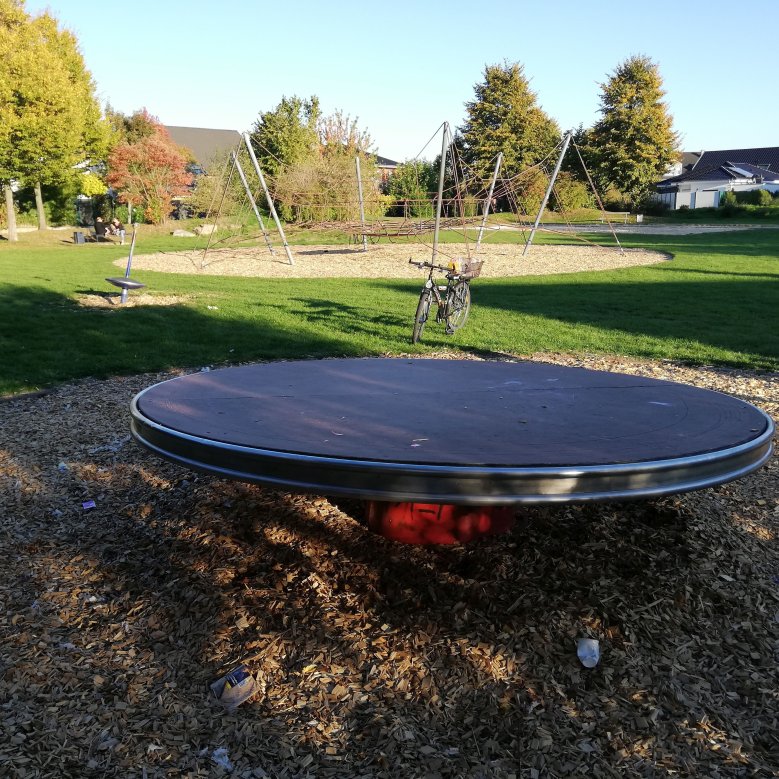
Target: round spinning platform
column 125, row 283
column 456, row 432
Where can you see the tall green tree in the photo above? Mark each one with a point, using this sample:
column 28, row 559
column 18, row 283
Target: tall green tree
column 288, row 134
column 12, row 19
column 634, row 142
column 52, row 120
column 505, row 117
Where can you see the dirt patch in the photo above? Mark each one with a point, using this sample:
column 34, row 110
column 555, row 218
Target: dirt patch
column 391, row 260
column 373, row 659
column 110, row 300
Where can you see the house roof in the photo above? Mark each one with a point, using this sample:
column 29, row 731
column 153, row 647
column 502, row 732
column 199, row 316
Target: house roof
column 728, row 171
column 384, row 162
column 206, row 144
column 764, row 157
column 690, row 160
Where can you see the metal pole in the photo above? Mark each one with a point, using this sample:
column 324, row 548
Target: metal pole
column 272, row 208
column 489, row 199
column 566, row 141
column 362, row 206
column 256, row 210
column 441, row 172
column 123, row 298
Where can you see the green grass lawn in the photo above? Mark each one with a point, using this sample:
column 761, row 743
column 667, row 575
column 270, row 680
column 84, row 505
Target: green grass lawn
column 717, row 302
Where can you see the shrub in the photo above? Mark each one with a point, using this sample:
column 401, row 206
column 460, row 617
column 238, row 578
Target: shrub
column 470, row 206
column 655, row 208
column 410, row 188
column 570, row 193
column 728, row 204
column 324, row 189
column 614, row 200
column 762, row 197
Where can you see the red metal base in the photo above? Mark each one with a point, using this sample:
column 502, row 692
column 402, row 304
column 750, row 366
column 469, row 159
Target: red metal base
column 431, row 523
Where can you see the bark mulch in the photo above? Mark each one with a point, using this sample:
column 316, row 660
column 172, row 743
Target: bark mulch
column 392, row 260
column 373, row 659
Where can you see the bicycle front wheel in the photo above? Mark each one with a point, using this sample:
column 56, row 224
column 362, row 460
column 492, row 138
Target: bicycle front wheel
column 423, row 309
column 458, row 305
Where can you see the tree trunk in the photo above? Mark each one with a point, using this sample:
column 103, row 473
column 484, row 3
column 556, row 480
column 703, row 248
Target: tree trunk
column 11, row 214
column 39, row 207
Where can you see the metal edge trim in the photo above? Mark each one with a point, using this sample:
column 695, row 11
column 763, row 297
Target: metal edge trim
column 629, row 480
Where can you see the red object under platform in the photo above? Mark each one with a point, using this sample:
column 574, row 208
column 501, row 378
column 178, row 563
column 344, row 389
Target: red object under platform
column 433, row 523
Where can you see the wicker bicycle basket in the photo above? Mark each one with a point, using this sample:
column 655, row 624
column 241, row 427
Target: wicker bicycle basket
column 471, row 269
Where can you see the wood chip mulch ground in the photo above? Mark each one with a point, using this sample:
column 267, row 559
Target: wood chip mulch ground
column 391, row 260
column 373, row 659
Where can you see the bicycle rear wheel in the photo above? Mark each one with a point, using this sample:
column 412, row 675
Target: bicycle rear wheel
column 423, row 309
column 458, row 306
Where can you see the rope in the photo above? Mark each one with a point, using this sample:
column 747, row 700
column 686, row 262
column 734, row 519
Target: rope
column 219, row 213
column 597, row 197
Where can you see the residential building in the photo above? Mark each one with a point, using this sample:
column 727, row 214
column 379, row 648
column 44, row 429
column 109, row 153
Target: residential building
column 715, row 172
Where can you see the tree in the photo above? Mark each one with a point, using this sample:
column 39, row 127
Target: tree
column 340, row 134
column 633, row 143
column 311, row 160
column 150, row 170
column 414, row 182
column 12, row 17
column 51, row 118
column 287, row 135
column 504, row 117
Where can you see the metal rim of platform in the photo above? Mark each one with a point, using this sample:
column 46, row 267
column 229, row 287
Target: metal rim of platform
column 460, row 485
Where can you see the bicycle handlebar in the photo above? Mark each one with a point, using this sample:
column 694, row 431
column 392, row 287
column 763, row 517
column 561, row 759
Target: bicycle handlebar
column 430, row 265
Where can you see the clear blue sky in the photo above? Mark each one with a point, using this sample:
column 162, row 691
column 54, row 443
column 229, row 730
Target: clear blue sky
column 404, row 67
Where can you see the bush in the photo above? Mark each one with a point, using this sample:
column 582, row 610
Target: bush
column 728, row 204
column 470, row 206
column 59, row 204
column 654, row 208
column 324, row 189
column 614, row 200
column 570, row 193
column 410, row 188
column 754, row 197
column 762, row 197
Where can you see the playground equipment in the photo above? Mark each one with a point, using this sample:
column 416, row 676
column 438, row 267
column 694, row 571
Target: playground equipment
column 444, row 450
column 125, row 283
column 234, row 166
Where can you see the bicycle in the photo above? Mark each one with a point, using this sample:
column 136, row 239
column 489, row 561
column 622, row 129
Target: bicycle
column 453, row 306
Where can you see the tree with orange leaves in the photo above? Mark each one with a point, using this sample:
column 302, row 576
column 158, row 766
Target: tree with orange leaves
column 147, row 168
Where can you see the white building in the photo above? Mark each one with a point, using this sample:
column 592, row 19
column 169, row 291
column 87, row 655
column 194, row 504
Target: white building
column 735, row 170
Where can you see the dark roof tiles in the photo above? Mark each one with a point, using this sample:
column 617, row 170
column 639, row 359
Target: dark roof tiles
column 763, row 157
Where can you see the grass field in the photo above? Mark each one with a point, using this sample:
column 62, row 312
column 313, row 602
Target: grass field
column 717, row 302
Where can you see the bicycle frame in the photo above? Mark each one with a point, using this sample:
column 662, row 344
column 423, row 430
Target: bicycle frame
column 452, row 307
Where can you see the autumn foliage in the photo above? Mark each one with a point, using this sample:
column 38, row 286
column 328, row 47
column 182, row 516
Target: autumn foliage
column 148, row 171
